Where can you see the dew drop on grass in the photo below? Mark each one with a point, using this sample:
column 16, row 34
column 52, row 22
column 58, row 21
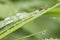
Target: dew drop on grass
column 22, row 15
column 43, row 32
column 50, row 39
column 14, row 18
column 34, row 13
column 8, row 20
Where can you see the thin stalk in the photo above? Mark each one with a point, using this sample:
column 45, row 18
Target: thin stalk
column 25, row 22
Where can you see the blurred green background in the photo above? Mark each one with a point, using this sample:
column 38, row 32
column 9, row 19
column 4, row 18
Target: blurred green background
column 46, row 27
column 11, row 7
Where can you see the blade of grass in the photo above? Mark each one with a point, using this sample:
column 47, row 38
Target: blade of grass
column 23, row 23
column 29, row 35
column 22, row 38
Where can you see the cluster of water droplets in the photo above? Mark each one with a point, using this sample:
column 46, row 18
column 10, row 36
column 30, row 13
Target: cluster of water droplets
column 11, row 19
column 50, row 39
column 18, row 16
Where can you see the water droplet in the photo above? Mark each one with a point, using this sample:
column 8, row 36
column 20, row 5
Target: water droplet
column 50, row 39
column 14, row 18
column 8, row 20
column 22, row 15
column 35, row 13
column 43, row 32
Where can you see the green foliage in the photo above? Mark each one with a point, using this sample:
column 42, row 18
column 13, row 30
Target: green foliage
column 45, row 26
